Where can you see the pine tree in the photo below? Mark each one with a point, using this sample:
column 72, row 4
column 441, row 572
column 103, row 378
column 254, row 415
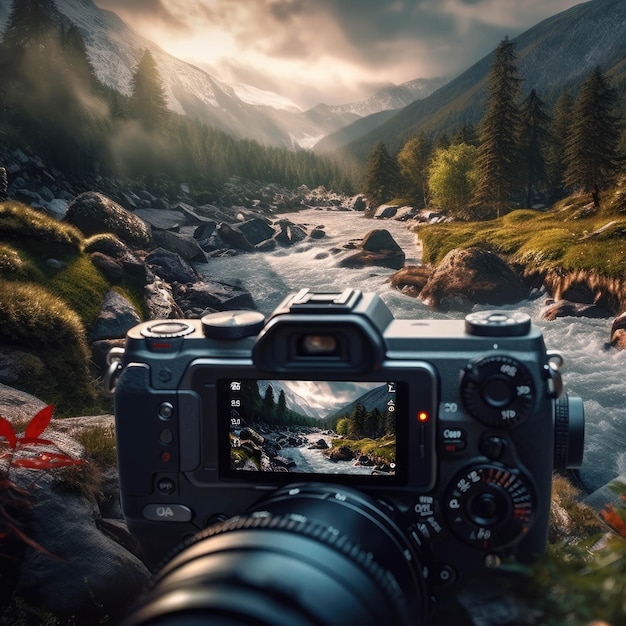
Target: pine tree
column 534, row 139
column 498, row 153
column 268, row 407
column 413, row 163
column 591, row 149
column 148, row 102
column 559, row 133
column 382, row 176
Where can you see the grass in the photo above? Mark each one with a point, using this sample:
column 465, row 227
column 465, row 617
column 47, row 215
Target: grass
column 569, row 237
column 385, row 447
column 47, row 309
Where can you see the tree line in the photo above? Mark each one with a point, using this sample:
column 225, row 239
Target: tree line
column 519, row 155
column 52, row 103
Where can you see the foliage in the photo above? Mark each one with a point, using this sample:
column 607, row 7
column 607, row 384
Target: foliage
column 534, row 138
column 381, row 176
column 559, row 134
column 413, row 161
column 498, row 153
column 539, row 240
column 18, row 453
column 452, row 179
column 591, row 149
column 148, row 103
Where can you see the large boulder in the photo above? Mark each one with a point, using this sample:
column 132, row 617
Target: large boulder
column 567, row 308
column 94, row 213
column 472, row 276
column 289, row 233
column 618, row 332
column 256, row 230
column 378, row 247
column 117, row 315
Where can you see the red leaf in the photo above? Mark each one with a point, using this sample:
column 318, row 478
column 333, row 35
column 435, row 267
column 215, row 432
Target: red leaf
column 40, row 422
column 6, row 431
column 47, row 460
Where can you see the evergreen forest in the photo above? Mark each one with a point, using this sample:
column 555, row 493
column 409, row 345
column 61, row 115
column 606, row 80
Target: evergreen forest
column 522, row 154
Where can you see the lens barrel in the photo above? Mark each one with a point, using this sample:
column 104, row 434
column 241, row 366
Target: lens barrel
column 311, row 554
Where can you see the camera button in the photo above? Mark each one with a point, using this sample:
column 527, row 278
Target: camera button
column 493, row 447
column 166, row 436
column 454, row 440
column 167, row 513
column 165, row 411
column 166, row 486
column 444, row 575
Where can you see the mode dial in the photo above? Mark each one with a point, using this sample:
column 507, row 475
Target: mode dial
column 498, row 391
column 489, row 506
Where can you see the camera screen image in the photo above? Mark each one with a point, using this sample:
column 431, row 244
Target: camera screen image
column 312, row 427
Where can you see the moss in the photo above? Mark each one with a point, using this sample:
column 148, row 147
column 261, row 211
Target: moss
column 99, row 444
column 561, row 238
column 35, row 320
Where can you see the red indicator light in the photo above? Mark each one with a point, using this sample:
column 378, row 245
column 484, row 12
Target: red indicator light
column 422, row 417
column 162, row 346
column 166, row 457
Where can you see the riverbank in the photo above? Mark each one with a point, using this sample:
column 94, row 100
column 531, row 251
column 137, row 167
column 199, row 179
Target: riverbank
column 574, row 246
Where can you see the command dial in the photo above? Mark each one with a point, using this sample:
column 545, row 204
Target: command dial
column 498, row 391
column 489, row 506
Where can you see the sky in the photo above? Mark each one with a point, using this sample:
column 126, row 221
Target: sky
column 332, row 51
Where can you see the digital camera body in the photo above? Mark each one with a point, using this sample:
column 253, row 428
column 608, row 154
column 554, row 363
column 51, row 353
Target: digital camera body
column 457, row 425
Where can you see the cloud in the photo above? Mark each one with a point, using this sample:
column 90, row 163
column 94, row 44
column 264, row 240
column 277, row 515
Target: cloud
column 332, row 48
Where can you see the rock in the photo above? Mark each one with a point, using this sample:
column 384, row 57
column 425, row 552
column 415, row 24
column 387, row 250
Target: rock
column 342, row 453
column 94, row 213
column 85, row 572
column 116, row 317
column 318, row 233
column 184, row 245
column 208, row 296
column 160, row 301
column 288, row 233
column 618, row 332
column 162, row 219
column 378, row 247
column 566, row 308
column 256, row 230
column 171, row 267
column 386, row 211
column 411, row 280
column 232, row 236
column 472, row 276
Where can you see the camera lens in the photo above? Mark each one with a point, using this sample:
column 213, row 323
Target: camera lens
column 309, row 555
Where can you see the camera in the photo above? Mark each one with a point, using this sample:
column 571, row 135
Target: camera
column 333, row 464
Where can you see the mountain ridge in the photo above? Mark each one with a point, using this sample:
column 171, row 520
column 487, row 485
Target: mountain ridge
column 556, row 54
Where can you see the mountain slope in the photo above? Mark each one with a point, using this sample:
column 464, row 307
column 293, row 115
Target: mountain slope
column 555, row 55
column 240, row 110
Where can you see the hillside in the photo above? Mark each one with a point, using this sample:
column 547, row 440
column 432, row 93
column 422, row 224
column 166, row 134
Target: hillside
column 555, row 55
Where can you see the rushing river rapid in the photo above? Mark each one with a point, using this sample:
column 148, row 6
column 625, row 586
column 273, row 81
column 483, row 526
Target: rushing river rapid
column 592, row 371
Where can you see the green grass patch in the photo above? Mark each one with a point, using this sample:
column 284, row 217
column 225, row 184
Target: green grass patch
column 570, row 237
column 385, row 447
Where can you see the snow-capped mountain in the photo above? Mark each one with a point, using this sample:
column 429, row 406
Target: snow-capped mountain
column 243, row 111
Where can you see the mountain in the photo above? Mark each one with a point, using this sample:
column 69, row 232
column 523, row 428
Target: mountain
column 557, row 54
column 243, row 111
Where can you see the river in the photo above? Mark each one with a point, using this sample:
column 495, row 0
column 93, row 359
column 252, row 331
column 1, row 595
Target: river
column 591, row 371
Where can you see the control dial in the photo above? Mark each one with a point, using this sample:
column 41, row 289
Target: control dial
column 489, row 506
column 498, row 391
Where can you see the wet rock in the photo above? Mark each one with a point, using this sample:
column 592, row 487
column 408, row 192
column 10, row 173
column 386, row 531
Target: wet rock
column 378, row 247
column 203, row 297
column 94, row 213
column 342, row 453
column 162, row 219
column 256, row 230
column 232, row 236
column 566, row 308
column 412, row 279
column 386, row 211
column 472, row 276
column 289, row 233
column 618, row 332
column 184, row 245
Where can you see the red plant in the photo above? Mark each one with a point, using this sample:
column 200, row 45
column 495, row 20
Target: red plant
column 614, row 519
column 16, row 502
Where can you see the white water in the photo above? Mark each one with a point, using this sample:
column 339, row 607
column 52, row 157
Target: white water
column 591, row 371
